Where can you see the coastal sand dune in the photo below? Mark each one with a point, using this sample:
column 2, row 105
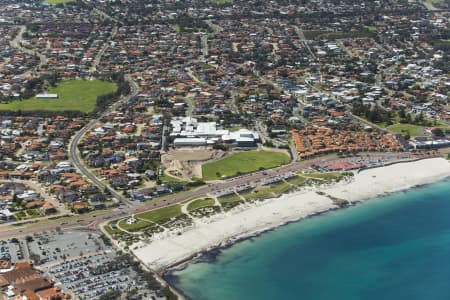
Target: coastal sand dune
column 220, row 229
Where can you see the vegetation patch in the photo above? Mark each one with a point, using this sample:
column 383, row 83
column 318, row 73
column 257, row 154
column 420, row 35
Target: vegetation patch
column 54, row 2
column 331, row 35
column 161, row 215
column 243, row 162
column 371, row 28
column 261, row 194
column 140, row 224
column 281, row 188
column 73, row 95
column 200, row 203
column 179, row 221
column 407, row 129
column 297, row 180
column 205, row 211
column 229, row 205
column 111, row 230
column 169, row 179
column 326, row 176
column 229, row 198
column 28, row 214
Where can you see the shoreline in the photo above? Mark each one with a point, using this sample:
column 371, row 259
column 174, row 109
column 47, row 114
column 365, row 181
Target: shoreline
column 205, row 240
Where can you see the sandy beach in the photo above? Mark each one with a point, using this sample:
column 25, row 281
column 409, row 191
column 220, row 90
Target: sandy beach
column 247, row 220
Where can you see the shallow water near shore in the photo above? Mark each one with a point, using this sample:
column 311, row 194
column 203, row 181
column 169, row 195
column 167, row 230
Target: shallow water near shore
column 393, row 247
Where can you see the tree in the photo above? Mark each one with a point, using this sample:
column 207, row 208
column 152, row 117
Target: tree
column 407, row 135
column 401, row 113
column 438, row 132
column 408, row 118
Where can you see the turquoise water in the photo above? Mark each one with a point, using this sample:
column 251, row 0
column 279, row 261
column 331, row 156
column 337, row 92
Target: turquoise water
column 395, row 247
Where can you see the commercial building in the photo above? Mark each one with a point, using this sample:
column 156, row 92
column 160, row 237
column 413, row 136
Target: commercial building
column 188, row 132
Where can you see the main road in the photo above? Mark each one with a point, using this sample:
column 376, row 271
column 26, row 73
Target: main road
column 96, row 218
column 74, row 156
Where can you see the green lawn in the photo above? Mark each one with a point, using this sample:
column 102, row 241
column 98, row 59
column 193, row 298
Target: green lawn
column 73, row 95
column 229, row 198
column 169, row 179
column 59, row 1
column 236, row 128
column 112, row 231
column 200, row 203
column 414, row 130
column 135, row 226
column 297, row 180
column 243, row 162
column 371, row 28
column 161, row 215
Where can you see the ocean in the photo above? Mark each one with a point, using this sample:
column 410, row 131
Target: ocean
column 392, row 247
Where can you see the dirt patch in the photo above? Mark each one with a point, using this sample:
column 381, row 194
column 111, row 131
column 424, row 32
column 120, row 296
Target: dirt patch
column 186, row 164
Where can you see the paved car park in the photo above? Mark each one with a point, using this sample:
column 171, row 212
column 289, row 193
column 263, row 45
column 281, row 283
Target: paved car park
column 54, row 246
column 90, row 277
column 10, row 251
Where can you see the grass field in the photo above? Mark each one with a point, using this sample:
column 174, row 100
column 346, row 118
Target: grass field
column 414, row 130
column 298, row 180
column 243, row 162
column 169, row 179
column 112, row 231
column 199, row 204
column 161, row 215
column 59, row 1
column 78, row 95
column 135, row 226
column 229, row 198
column 371, row 28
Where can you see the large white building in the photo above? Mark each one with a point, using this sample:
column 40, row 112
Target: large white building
column 190, row 127
column 188, row 132
column 438, row 143
column 47, row 96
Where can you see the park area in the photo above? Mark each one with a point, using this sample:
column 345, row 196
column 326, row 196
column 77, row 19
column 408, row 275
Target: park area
column 79, row 95
column 243, row 162
column 54, row 2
